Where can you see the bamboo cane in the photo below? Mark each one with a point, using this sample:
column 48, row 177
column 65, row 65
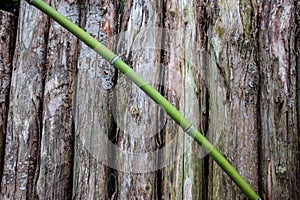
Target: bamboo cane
column 151, row 92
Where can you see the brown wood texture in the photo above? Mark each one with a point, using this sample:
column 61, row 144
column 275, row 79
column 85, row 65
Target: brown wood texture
column 137, row 116
column 57, row 138
column 233, row 94
column 75, row 128
column 7, row 24
column 93, row 118
column 23, row 134
column 183, row 178
column 279, row 127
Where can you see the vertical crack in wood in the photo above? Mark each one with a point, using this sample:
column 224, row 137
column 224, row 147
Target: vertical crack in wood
column 269, row 181
column 297, row 49
column 7, row 48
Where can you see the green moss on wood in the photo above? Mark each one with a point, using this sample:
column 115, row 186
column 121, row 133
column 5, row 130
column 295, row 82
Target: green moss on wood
column 246, row 13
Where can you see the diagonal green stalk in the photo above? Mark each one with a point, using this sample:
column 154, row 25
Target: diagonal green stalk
column 151, row 92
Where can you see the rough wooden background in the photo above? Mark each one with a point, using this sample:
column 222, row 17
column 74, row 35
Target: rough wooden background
column 72, row 127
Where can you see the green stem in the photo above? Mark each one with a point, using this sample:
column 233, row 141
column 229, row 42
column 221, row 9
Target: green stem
column 122, row 5
column 151, row 92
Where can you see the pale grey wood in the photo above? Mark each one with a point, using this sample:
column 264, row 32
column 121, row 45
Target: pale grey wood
column 93, row 118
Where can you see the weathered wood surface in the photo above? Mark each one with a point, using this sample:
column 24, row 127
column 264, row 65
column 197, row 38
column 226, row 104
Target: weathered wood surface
column 183, row 178
column 230, row 66
column 93, row 117
column 22, row 149
column 233, row 84
column 137, row 116
column 57, row 138
column 7, row 24
column 279, row 127
column 253, row 75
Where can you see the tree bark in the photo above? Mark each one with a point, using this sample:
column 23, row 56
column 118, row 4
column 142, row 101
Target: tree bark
column 57, row 139
column 253, row 62
column 24, row 118
column 279, row 132
column 7, row 24
column 137, row 116
column 75, row 128
column 93, row 179
column 183, row 178
column 233, row 81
